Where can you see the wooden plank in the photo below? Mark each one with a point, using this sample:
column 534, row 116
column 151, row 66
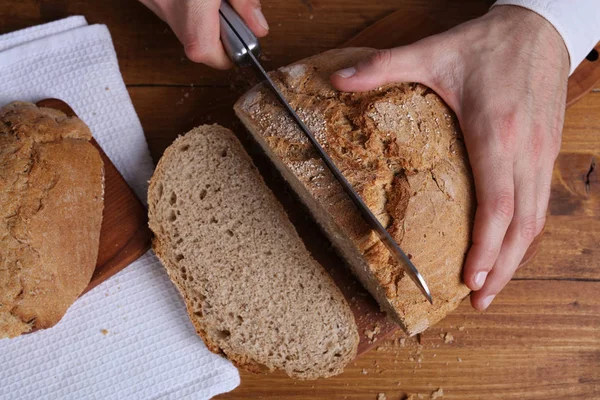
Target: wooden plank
column 539, row 340
column 570, row 247
column 149, row 52
column 581, row 132
column 168, row 111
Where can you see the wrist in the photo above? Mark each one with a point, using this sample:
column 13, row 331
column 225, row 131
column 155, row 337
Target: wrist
column 532, row 26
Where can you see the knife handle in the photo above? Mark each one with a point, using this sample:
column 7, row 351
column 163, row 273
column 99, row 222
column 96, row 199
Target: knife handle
column 236, row 37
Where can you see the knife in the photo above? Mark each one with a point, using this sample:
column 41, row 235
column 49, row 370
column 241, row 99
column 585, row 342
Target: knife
column 243, row 48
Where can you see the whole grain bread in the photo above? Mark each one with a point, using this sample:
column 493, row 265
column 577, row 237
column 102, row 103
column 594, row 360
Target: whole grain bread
column 51, row 201
column 400, row 146
column 252, row 290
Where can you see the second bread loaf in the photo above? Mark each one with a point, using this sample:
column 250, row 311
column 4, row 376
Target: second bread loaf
column 401, row 148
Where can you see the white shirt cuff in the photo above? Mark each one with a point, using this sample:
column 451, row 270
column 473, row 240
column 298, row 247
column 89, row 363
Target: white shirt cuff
column 577, row 21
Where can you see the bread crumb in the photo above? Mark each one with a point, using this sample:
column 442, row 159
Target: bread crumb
column 104, row 332
column 364, row 371
column 370, row 334
column 458, row 359
column 380, row 348
column 448, row 338
column 381, row 396
column 461, row 328
column 399, row 383
column 438, row 394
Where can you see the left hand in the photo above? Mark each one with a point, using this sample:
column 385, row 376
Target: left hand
column 505, row 76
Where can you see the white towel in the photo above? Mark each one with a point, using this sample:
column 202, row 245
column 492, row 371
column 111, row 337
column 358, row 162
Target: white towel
column 130, row 337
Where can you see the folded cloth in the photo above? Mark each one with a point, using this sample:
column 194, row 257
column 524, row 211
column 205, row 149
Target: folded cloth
column 129, row 338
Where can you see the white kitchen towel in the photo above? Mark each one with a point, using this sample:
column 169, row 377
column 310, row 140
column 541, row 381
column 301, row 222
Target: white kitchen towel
column 130, row 337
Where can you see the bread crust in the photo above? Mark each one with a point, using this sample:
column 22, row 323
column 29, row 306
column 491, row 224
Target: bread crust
column 216, row 150
column 51, row 200
column 401, row 148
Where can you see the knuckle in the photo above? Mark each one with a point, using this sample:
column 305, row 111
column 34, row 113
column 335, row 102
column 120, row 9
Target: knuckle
column 508, row 131
column 382, row 59
column 503, row 206
column 196, row 52
column 528, row 227
column 488, row 257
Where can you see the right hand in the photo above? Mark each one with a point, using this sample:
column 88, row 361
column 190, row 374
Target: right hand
column 196, row 24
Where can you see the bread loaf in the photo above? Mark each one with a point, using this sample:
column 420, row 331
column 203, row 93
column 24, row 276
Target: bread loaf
column 401, row 148
column 252, row 290
column 51, row 200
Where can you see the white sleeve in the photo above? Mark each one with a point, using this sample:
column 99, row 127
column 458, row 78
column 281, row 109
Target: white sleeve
column 577, row 21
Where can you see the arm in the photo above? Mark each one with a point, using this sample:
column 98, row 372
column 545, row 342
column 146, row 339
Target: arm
column 505, row 75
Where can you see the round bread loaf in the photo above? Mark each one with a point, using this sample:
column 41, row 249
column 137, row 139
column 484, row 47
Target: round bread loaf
column 401, row 147
column 51, row 200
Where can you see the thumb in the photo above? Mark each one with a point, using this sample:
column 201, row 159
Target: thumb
column 400, row 64
column 252, row 14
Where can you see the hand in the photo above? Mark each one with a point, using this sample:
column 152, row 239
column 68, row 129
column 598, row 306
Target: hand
column 196, row 24
column 505, row 76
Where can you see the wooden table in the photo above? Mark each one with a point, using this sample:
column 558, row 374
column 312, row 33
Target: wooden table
column 541, row 337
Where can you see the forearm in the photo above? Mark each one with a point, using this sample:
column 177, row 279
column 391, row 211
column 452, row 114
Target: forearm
column 577, row 21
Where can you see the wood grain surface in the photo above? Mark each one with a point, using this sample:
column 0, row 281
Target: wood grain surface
column 541, row 337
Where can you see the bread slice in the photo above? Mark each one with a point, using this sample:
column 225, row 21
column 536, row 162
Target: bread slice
column 252, row 290
column 51, row 201
column 401, row 148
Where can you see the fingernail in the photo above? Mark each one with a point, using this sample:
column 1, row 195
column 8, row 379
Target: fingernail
column 346, row 73
column 485, row 303
column 480, row 279
column 260, row 18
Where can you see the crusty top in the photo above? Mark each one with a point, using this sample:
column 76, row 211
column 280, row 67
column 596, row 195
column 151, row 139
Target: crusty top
column 401, row 148
column 51, row 200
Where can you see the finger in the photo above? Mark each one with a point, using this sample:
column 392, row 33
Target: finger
column 521, row 233
column 494, row 184
column 400, row 64
column 199, row 32
column 252, row 14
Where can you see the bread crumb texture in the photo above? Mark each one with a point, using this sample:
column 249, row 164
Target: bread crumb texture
column 400, row 146
column 251, row 288
column 51, row 200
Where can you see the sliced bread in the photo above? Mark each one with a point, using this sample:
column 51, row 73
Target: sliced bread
column 252, row 289
column 401, row 148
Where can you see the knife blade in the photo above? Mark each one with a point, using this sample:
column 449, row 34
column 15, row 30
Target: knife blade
column 243, row 48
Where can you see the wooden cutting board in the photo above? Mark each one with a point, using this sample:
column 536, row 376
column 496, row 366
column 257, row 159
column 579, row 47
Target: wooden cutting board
column 124, row 235
column 401, row 28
